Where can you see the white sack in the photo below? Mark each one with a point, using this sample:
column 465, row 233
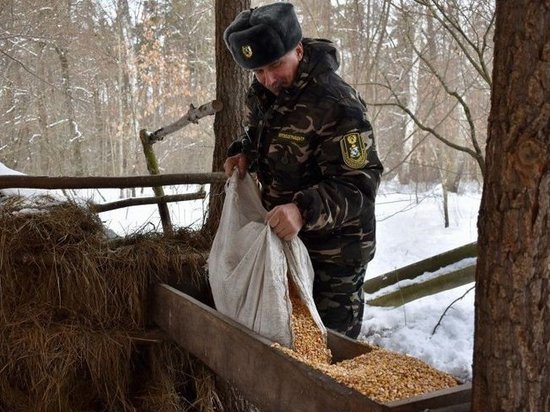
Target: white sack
column 248, row 266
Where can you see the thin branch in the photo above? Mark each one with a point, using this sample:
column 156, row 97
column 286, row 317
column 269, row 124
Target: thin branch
column 438, row 136
column 449, row 307
column 445, row 21
column 458, row 97
column 485, row 42
column 430, row 130
column 19, row 62
column 479, row 51
column 404, row 160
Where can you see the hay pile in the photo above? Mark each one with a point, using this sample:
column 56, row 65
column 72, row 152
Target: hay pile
column 74, row 310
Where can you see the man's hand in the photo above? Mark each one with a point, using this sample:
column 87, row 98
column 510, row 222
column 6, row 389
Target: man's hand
column 240, row 161
column 286, row 220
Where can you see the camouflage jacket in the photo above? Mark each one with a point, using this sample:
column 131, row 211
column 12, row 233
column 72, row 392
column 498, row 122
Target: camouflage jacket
column 313, row 145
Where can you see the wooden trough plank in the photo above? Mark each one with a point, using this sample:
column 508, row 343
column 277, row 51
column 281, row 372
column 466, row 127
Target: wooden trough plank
column 342, row 347
column 452, row 399
column 266, row 376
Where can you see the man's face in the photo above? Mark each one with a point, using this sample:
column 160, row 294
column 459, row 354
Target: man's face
column 281, row 73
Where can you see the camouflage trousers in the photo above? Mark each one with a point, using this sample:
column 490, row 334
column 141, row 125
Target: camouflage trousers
column 338, row 295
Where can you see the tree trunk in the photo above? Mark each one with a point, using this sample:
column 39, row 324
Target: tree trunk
column 512, row 322
column 125, row 62
column 231, row 87
column 74, row 134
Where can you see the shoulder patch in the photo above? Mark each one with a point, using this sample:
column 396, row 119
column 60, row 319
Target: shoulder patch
column 354, row 151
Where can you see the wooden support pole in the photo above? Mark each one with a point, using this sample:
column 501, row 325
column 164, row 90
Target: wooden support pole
column 153, row 167
column 147, row 140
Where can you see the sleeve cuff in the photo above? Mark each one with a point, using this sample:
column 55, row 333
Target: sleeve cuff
column 300, row 201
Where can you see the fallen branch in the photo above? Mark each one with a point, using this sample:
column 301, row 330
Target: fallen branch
column 192, row 115
column 93, row 182
column 105, row 207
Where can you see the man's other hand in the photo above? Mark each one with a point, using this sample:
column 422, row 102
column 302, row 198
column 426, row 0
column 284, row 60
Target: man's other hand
column 286, row 220
column 240, row 161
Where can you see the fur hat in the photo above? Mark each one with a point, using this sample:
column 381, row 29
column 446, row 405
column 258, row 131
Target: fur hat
column 259, row 36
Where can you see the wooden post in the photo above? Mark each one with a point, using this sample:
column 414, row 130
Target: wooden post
column 153, row 168
column 147, row 140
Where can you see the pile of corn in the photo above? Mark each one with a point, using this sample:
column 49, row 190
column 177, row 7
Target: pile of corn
column 380, row 375
column 309, row 342
column 386, row 376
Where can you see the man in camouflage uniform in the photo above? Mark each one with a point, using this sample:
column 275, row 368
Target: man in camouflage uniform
column 309, row 140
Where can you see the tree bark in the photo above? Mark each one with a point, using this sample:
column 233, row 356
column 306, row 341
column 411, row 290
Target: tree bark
column 231, row 87
column 512, row 321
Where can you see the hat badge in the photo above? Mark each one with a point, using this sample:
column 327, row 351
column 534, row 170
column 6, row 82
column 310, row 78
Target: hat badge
column 247, row 51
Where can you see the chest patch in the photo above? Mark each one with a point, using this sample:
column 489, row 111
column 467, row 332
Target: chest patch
column 353, row 150
column 292, row 137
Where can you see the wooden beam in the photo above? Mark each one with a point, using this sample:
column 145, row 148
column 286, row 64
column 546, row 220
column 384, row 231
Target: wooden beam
column 418, row 268
column 456, row 399
column 137, row 201
column 415, row 291
column 93, row 182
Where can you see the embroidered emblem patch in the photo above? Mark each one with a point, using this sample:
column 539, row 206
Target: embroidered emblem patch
column 293, row 137
column 353, row 151
column 246, row 51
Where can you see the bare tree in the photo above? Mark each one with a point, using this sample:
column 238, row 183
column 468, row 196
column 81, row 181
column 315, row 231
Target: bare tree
column 512, row 321
column 451, row 43
column 127, row 66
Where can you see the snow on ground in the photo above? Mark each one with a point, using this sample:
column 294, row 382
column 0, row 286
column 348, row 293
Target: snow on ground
column 409, row 228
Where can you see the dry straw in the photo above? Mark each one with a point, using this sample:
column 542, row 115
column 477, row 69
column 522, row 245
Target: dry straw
column 72, row 302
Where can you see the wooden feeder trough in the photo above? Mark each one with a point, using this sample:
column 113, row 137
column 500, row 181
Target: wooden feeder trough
column 267, row 377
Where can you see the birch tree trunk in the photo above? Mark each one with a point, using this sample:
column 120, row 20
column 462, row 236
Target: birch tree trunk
column 512, row 321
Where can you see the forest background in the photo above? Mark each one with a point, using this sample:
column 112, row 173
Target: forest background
column 81, row 78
